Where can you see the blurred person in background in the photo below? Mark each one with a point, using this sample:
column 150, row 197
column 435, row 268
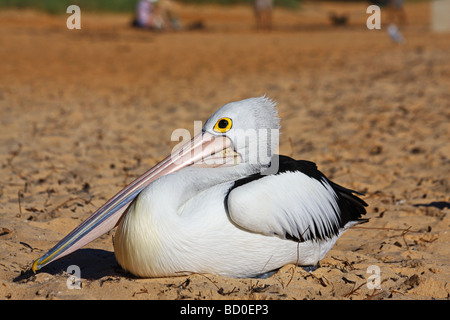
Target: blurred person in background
column 396, row 18
column 168, row 12
column 156, row 15
column 143, row 15
column 396, row 12
column 263, row 14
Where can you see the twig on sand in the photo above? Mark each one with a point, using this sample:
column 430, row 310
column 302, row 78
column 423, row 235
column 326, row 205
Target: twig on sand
column 298, row 255
column 66, row 202
column 201, row 274
column 19, row 196
column 354, row 289
column 404, row 231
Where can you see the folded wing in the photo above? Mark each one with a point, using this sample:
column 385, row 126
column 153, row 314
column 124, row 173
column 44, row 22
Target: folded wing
column 297, row 203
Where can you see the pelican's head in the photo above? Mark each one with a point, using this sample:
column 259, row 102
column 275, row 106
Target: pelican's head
column 244, row 132
column 252, row 127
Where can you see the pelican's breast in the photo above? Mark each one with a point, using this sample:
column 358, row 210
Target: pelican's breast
column 140, row 241
column 161, row 232
column 137, row 240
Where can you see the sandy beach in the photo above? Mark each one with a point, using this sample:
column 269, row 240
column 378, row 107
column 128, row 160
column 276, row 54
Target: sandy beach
column 84, row 112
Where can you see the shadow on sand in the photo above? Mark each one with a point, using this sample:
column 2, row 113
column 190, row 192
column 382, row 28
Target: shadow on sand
column 93, row 263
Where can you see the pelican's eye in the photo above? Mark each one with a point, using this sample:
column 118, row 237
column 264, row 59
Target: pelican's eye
column 223, row 125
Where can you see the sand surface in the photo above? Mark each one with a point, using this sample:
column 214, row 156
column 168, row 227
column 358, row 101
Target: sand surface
column 84, row 112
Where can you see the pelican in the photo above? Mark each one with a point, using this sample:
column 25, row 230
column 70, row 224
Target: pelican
column 223, row 203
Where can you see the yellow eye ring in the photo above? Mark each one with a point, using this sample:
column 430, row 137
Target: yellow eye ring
column 223, row 125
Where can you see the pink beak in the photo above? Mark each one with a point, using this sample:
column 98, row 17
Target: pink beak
column 204, row 149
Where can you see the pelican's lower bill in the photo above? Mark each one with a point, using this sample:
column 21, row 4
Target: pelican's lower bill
column 212, row 208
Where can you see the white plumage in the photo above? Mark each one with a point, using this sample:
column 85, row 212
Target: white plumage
column 155, row 239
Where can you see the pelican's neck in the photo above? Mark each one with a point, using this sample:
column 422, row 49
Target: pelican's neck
column 194, row 180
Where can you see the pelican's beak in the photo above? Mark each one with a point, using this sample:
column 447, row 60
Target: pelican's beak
column 204, row 149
